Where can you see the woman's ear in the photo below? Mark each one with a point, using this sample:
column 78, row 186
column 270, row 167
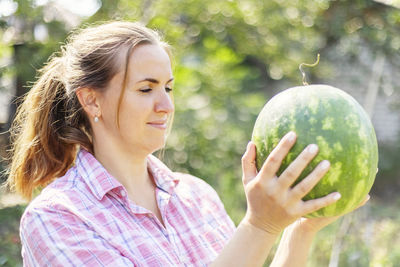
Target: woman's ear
column 89, row 101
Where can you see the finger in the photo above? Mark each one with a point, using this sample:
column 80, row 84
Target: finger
column 275, row 158
column 249, row 168
column 362, row 203
column 316, row 204
column 308, row 183
column 295, row 168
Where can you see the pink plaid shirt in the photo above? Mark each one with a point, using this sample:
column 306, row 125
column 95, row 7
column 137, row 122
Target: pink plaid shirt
column 85, row 219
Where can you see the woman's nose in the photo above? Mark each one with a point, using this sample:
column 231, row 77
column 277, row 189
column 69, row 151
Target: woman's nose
column 164, row 103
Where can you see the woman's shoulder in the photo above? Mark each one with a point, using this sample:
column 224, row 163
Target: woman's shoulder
column 182, row 182
column 198, row 193
column 185, row 185
column 44, row 211
column 197, row 190
column 60, row 195
column 194, row 183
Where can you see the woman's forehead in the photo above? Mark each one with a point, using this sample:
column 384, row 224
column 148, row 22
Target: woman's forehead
column 149, row 54
column 149, row 62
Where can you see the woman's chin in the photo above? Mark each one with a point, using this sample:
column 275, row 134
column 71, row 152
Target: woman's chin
column 156, row 147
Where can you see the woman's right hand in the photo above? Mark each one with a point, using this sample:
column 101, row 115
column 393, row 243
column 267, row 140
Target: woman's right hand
column 272, row 204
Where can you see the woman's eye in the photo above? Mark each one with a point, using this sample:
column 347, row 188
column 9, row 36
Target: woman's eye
column 145, row 90
column 168, row 89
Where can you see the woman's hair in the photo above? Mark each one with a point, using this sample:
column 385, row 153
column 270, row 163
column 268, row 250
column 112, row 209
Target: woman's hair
column 50, row 125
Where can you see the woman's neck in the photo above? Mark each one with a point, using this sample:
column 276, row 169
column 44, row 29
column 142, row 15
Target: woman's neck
column 129, row 169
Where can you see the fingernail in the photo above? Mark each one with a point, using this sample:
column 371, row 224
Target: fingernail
column 312, row 149
column 325, row 164
column 291, row 136
column 336, row 196
column 248, row 145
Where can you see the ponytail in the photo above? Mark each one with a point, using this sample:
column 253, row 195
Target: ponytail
column 45, row 134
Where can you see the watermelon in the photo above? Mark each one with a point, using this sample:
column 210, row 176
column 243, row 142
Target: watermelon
column 335, row 121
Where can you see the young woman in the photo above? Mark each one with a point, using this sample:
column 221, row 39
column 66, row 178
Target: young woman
column 85, row 133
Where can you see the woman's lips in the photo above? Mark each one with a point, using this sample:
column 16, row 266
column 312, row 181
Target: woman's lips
column 158, row 124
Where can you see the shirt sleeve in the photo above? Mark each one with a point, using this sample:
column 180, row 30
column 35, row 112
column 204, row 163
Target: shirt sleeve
column 52, row 237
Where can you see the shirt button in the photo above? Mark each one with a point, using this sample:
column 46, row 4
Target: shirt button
column 123, row 193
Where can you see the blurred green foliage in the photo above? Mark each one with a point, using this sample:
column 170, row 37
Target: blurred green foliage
column 366, row 237
column 230, row 58
column 10, row 244
column 18, row 31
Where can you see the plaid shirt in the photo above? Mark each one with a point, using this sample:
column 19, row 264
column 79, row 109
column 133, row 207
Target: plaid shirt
column 86, row 219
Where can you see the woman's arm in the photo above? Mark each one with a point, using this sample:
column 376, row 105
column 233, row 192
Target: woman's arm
column 249, row 246
column 294, row 247
column 297, row 239
column 272, row 202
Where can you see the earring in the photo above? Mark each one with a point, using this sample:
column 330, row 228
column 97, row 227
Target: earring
column 96, row 119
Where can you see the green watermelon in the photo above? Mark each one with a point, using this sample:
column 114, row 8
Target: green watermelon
column 335, row 121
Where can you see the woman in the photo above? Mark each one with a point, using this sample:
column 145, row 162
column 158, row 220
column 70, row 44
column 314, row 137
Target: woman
column 94, row 117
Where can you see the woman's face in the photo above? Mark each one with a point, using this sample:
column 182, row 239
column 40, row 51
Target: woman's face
column 146, row 105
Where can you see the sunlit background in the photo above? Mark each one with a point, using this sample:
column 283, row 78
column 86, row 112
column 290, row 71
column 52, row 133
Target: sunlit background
column 230, row 58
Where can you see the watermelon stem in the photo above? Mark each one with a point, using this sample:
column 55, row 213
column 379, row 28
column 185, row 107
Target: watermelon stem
column 307, row 65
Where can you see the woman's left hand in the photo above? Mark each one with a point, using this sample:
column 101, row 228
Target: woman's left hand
column 313, row 225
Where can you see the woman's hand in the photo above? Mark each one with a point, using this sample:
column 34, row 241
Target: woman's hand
column 272, row 203
column 313, row 225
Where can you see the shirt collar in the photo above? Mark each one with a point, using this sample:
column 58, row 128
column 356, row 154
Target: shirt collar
column 101, row 182
column 163, row 176
column 97, row 178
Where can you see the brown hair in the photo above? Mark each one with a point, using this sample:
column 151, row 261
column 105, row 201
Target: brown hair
column 50, row 124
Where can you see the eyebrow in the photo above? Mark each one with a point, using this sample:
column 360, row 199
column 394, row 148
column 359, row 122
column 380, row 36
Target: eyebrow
column 154, row 80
